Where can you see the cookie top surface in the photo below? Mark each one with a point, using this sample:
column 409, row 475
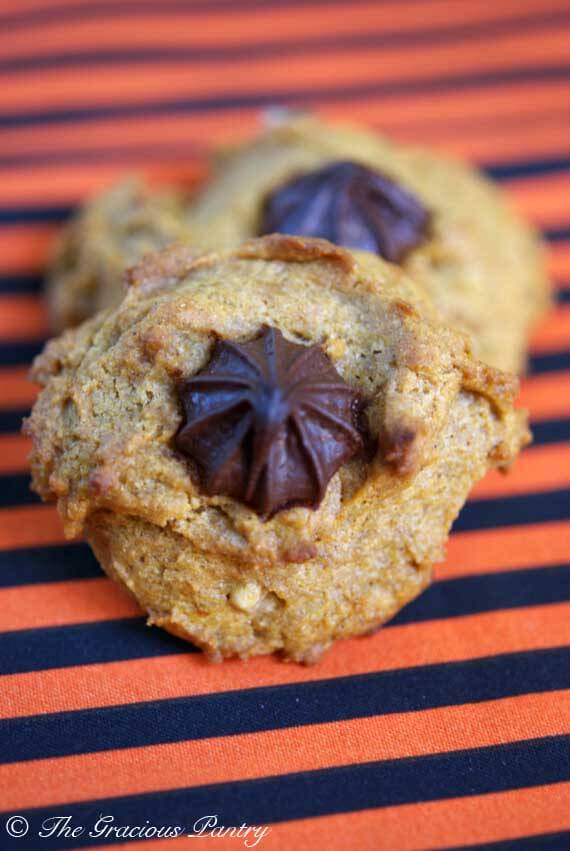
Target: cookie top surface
column 104, row 428
column 481, row 265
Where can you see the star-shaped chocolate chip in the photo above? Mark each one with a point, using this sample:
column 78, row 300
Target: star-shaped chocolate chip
column 269, row 422
column 350, row 205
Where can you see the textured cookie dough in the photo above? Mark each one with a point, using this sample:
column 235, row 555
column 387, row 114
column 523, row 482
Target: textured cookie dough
column 111, row 232
column 208, row 568
column 482, row 267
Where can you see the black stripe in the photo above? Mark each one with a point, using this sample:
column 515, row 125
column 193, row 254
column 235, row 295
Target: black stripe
column 47, row 564
column 470, row 595
column 116, row 640
column 15, row 490
column 259, row 709
column 551, row 362
column 389, row 90
column 514, row 511
column 11, row 419
column 34, row 215
column 527, row 168
column 563, row 295
column 540, row 842
column 308, row 794
column 85, row 644
column 20, row 284
column 550, row 431
column 412, row 39
column 557, row 234
column 19, row 353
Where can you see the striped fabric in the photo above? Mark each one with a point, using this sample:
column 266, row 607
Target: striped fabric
column 448, row 728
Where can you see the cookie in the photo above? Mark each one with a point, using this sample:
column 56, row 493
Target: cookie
column 449, row 227
column 112, row 231
column 268, row 446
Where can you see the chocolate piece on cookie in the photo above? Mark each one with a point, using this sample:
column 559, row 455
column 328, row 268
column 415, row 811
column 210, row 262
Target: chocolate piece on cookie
column 351, row 205
column 269, row 422
column 444, row 223
column 243, row 571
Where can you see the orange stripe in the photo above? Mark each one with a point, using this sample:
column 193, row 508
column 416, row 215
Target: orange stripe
column 259, row 25
column 69, row 184
column 559, row 262
column 494, row 550
column 20, row 93
column 25, row 248
column 554, row 333
column 135, row 771
column 431, row 642
column 219, row 127
column 30, row 526
column 544, row 199
column 409, row 827
column 62, row 603
column 540, row 468
column 546, row 396
column 15, row 389
column 438, row 824
column 14, row 451
column 22, row 317
column 497, row 145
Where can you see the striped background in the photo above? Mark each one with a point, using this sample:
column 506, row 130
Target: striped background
column 447, row 729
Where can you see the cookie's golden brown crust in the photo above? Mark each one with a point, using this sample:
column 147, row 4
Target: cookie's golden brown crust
column 207, row 567
column 111, row 232
column 483, row 267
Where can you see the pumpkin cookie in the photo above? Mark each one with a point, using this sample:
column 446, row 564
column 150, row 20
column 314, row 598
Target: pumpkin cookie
column 112, row 231
column 444, row 223
column 268, row 446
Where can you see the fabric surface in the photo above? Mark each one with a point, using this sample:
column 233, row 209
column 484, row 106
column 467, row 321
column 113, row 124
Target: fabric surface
column 449, row 727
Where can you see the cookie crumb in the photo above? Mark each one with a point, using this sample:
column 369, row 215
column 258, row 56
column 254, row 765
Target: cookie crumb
column 245, row 597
